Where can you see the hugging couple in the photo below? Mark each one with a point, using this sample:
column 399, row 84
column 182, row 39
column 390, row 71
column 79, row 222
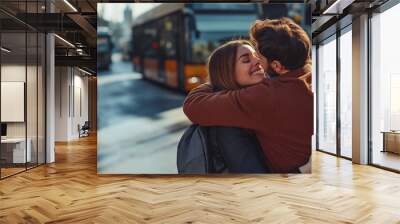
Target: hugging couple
column 259, row 100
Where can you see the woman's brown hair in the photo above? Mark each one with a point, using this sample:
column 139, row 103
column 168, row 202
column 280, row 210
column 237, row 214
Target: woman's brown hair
column 221, row 65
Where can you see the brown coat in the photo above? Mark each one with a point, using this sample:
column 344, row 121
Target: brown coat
column 279, row 110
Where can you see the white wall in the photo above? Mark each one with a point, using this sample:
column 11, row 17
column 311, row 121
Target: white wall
column 16, row 73
column 12, row 73
column 81, row 83
column 62, row 81
column 33, row 126
column 71, row 94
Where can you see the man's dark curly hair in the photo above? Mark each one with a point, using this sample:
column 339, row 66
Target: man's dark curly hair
column 281, row 40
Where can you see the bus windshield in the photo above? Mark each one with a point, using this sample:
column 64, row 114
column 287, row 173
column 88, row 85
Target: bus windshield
column 214, row 30
column 103, row 44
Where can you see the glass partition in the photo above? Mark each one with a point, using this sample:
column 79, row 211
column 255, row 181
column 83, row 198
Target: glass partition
column 314, row 85
column 14, row 152
column 327, row 95
column 346, row 93
column 22, row 87
column 385, row 89
column 31, row 100
column 41, row 109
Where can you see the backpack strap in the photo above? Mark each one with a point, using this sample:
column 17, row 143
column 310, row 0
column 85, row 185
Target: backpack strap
column 212, row 134
column 217, row 161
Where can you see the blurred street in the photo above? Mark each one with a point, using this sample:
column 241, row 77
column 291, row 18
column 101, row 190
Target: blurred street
column 140, row 123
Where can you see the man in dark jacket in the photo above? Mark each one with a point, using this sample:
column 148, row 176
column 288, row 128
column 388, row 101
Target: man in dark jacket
column 279, row 110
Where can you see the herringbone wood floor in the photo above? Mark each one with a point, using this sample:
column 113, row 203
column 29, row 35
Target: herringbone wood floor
column 70, row 191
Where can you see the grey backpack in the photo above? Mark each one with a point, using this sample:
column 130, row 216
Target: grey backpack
column 198, row 152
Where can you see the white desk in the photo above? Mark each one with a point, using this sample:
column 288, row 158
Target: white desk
column 18, row 151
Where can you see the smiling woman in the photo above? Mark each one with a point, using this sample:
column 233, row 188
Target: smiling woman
column 232, row 66
column 248, row 67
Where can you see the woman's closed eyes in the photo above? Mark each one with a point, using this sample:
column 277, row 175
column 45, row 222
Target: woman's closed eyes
column 244, row 58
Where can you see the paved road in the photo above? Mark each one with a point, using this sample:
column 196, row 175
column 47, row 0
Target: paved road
column 140, row 123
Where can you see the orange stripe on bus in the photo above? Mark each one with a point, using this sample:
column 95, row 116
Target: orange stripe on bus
column 136, row 60
column 150, row 63
column 151, row 68
column 198, row 71
column 171, row 68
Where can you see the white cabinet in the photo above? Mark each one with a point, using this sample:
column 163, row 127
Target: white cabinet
column 18, row 149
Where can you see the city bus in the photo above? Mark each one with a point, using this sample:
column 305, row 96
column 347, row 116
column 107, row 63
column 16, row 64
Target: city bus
column 104, row 48
column 171, row 43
